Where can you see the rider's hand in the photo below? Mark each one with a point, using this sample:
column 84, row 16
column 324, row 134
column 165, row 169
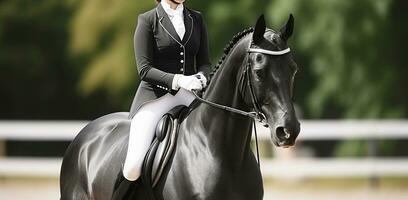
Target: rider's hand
column 202, row 78
column 188, row 82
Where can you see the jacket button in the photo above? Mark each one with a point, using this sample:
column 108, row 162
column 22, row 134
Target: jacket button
column 181, row 69
column 182, row 61
column 181, row 53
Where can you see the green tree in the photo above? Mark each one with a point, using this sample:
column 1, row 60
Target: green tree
column 346, row 45
column 34, row 72
column 102, row 40
column 351, row 55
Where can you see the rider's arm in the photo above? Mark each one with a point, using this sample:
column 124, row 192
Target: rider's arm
column 143, row 45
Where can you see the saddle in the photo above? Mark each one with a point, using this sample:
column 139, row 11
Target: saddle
column 163, row 145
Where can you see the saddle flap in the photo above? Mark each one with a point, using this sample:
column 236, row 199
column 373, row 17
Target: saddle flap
column 162, row 146
column 164, row 127
column 164, row 152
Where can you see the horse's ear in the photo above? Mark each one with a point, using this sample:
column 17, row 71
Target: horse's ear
column 287, row 30
column 260, row 28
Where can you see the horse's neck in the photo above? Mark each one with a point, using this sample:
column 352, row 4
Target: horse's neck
column 226, row 135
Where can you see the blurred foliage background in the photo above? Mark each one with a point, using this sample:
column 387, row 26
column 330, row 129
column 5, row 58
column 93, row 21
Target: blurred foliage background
column 74, row 59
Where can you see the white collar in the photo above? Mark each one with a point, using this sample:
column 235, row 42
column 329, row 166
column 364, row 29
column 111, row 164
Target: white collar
column 178, row 11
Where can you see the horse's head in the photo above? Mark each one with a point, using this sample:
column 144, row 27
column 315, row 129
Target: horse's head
column 272, row 70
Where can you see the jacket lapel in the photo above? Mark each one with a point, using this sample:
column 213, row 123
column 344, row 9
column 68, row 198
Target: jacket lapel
column 188, row 24
column 165, row 22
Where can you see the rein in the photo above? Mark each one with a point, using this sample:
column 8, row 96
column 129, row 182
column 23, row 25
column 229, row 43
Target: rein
column 256, row 115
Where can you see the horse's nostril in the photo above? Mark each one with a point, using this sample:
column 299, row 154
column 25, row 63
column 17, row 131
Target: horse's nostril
column 280, row 132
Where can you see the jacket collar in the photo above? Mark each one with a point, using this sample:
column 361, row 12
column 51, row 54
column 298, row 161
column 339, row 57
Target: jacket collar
column 165, row 22
column 177, row 12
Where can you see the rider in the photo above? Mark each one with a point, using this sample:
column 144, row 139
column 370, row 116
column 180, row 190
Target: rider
column 169, row 40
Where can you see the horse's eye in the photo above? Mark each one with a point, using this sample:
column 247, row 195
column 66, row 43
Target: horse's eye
column 259, row 58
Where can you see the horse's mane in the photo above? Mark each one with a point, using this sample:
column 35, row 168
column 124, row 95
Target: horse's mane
column 237, row 37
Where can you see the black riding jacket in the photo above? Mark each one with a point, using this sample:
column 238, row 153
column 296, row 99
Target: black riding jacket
column 160, row 53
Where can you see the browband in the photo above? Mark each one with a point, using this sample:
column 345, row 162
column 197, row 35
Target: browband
column 275, row 53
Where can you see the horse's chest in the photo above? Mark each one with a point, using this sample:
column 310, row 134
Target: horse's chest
column 228, row 189
column 207, row 182
column 196, row 174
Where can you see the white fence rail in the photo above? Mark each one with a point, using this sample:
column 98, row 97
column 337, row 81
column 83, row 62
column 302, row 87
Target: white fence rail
column 335, row 168
column 299, row 167
column 40, row 130
column 310, row 129
column 349, row 129
column 30, row 167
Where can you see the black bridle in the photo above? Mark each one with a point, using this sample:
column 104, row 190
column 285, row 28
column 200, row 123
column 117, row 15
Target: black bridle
column 260, row 116
column 257, row 114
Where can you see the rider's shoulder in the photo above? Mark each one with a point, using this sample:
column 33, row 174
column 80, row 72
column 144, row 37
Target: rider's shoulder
column 147, row 15
column 195, row 13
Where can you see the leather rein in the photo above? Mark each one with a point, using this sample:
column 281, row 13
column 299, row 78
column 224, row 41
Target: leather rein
column 257, row 114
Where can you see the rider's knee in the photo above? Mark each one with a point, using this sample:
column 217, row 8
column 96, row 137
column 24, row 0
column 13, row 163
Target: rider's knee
column 131, row 173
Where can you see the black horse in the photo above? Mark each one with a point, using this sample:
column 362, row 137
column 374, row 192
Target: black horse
column 213, row 157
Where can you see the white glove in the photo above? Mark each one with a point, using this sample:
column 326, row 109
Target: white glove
column 202, row 79
column 187, row 82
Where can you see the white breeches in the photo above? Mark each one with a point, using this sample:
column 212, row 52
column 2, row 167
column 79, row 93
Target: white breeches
column 143, row 126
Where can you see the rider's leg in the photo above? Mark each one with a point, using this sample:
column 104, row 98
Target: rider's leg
column 142, row 129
